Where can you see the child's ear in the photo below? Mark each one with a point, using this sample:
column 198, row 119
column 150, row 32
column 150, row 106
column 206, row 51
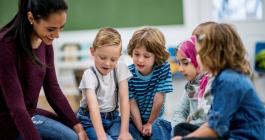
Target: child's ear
column 92, row 50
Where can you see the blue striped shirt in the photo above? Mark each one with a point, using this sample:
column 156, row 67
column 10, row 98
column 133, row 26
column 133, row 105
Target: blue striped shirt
column 143, row 88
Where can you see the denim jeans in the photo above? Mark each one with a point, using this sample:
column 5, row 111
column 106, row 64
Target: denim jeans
column 111, row 122
column 161, row 130
column 50, row 129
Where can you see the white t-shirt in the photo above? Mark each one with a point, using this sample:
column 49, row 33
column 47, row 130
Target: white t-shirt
column 106, row 91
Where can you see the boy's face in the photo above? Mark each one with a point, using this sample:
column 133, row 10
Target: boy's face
column 188, row 70
column 143, row 60
column 106, row 58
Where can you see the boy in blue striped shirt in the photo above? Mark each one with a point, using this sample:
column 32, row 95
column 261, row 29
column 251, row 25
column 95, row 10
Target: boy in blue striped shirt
column 151, row 81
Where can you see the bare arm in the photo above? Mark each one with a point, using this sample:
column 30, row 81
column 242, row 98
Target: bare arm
column 125, row 109
column 80, row 132
column 94, row 113
column 157, row 104
column 204, row 131
column 135, row 115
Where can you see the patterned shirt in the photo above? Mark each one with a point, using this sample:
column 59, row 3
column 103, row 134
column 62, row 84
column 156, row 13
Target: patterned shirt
column 144, row 88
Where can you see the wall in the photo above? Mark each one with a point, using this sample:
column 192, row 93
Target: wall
column 195, row 12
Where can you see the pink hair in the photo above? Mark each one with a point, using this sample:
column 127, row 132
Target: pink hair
column 187, row 49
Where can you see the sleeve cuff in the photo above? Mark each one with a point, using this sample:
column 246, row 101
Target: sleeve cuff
column 215, row 124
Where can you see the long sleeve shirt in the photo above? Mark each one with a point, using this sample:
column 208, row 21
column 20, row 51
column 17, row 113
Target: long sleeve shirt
column 20, row 84
column 237, row 112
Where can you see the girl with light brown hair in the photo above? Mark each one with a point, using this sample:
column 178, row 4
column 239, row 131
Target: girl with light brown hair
column 236, row 111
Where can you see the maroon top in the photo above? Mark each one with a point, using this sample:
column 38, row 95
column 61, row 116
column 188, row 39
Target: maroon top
column 20, row 85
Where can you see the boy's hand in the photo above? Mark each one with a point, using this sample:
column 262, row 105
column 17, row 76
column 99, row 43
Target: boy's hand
column 147, row 129
column 80, row 132
column 125, row 136
column 103, row 137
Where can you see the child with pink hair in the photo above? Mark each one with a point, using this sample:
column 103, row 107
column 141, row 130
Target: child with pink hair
column 194, row 104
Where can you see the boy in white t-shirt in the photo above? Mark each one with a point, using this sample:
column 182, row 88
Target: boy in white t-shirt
column 102, row 86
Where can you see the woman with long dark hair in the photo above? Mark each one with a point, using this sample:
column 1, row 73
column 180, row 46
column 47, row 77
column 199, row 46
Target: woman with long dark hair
column 27, row 64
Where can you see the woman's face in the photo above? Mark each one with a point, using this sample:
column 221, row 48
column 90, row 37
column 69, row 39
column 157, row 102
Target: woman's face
column 49, row 28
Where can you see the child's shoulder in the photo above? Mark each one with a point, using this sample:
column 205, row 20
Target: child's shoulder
column 232, row 77
column 90, row 71
column 131, row 67
column 164, row 67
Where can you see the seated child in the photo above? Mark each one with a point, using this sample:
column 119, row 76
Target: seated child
column 194, row 104
column 236, row 110
column 150, row 83
column 102, row 85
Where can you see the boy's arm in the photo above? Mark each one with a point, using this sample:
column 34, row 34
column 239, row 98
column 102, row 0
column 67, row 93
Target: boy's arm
column 135, row 115
column 95, row 114
column 125, row 109
column 157, row 104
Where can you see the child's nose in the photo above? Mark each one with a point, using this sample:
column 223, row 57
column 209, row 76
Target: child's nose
column 141, row 59
column 181, row 68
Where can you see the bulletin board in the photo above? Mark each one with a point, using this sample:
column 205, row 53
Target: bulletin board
column 93, row 14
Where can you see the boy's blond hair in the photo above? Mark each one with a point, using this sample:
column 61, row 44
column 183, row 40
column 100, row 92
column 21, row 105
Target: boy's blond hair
column 221, row 47
column 107, row 37
column 154, row 42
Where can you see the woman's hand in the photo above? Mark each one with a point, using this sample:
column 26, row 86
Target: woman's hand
column 81, row 133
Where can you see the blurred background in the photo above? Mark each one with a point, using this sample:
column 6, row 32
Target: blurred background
column 175, row 18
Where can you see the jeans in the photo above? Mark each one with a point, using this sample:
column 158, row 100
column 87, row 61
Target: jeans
column 111, row 122
column 161, row 130
column 50, row 129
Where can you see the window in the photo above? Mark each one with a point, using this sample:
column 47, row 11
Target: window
column 237, row 10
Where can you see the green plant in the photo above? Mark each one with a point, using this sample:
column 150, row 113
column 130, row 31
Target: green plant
column 260, row 59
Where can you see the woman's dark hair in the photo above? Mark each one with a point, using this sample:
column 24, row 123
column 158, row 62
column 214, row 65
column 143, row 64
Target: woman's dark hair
column 20, row 29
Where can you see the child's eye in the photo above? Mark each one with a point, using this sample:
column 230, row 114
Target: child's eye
column 50, row 30
column 146, row 56
column 102, row 58
column 113, row 60
column 185, row 63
